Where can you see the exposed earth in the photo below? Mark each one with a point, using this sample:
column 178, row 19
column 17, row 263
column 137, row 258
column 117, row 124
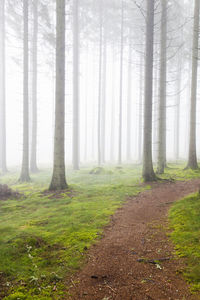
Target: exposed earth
column 135, row 259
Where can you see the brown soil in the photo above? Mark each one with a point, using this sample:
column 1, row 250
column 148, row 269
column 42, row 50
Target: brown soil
column 7, row 193
column 120, row 265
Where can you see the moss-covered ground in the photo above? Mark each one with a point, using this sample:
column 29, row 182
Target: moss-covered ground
column 43, row 236
column 185, row 222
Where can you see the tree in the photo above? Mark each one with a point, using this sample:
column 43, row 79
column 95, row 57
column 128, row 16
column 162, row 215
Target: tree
column 162, row 92
column 121, row 83
column 25, row 159
column 76, row 35
column 192, row 158
column 148, row 172
column 58, row 181
column 3, row 164
column 33, row 162
column 100, row 82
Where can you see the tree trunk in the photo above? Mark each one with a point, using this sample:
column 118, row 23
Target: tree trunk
column 100, row 84
column 162, row 93
column 148, row 172
column 112, row 129
column 103, row 106
column 121, row 84
column 192, row 159
column 3, row 164
column 140, row 113
column 177, row 110
column 25, row 159
column 58, row 181
column 76, row 117
column 129, row 106
column 33, row 162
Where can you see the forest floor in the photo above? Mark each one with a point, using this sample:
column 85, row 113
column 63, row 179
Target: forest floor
column 46, row 237
column 135, row 260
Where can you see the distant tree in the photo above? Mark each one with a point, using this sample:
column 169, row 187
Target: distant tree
column 25, row 159
column 58, row 181
column 192, row 158
column 148, row 172
column 33, row 162
column 3, row 163
column 76, row 108
column 121, row 83
column 162, row 91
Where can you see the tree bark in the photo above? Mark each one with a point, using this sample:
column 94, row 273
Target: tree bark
column 192, row 158
column 148, row 172
column 121, row 84
column 58, row 181
column 25, row 159
column 76, row 116
column 162, row 93
column 100, row 84
column 140, row 113
column 3, row 163
column 33, row 162
column 129, row 102
column 103, row 106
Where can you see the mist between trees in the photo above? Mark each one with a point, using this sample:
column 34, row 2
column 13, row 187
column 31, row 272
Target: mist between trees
column 98, row 82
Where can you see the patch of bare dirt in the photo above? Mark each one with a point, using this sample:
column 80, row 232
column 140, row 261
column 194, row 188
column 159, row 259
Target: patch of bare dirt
column 7, row 193
column 135, row 259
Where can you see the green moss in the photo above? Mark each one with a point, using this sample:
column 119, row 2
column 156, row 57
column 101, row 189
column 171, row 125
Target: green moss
column 43, row 237
column 185, row 221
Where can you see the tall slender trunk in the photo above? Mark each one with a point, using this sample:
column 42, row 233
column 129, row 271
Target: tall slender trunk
column 177, row 110
column 58, row 181
column 140, row 112
column 121, row 84
column 25, row 159
column 33, row 162
column 192, row 159
column 76, row 122
column 103, row 106
column 112, row 129
column 162, row 93
column 100, row 84
column 155, row 114
column 3, row 164
column 148, row 172
column 129, row 102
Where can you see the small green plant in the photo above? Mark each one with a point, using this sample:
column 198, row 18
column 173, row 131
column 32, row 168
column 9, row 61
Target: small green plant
column 185, row 221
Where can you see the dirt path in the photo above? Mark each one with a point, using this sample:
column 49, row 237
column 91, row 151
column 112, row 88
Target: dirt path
column 135, row 232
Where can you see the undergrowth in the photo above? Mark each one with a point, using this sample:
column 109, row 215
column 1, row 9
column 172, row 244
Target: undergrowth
column 185, row 222
column 44, row 236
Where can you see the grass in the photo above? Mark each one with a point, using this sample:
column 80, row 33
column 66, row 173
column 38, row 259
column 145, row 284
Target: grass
column 185, row 222
column 43, row 237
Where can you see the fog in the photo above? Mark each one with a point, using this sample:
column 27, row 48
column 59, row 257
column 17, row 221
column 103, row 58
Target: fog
column 132, row 41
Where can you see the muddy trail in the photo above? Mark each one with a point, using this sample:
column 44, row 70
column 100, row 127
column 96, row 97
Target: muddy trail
column 135, row 259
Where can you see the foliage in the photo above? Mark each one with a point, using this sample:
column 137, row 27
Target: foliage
column 185, row 222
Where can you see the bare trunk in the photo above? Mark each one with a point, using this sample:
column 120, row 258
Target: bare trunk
column 140, row 113
column 177, row 111
column 76, row 129
column 104, row 88
column 148, row 172
column 121, row 85
column 129, row 102
column 25, row 159
column 162, row 93
column 100, row 85
column 58, row 181
column 192, row 159
column 112, row 131
column 3, row 164
column 33, row 162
